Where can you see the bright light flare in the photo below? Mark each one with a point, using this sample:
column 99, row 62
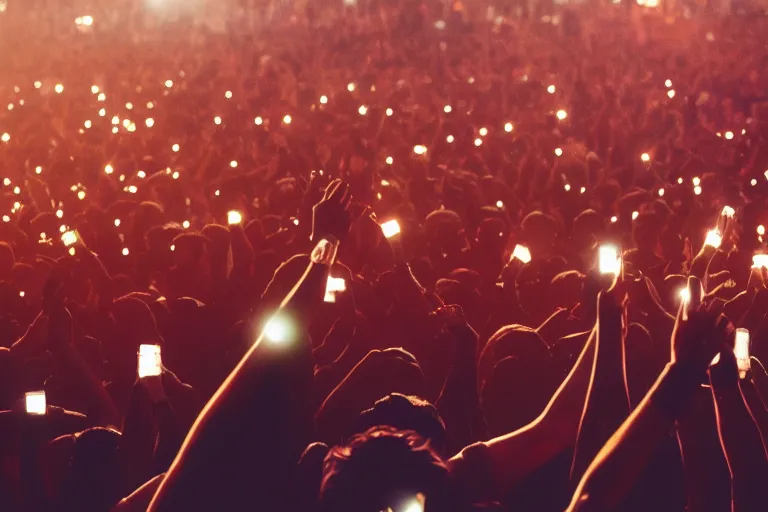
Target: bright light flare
column 609, row 260
column 713, row 238
column 760, row 261
column 562, row 115
column 150, row 361
column 390, row 228
column 69, row 238
column 234, row 217
column 521, row 253
column 333, row 286
column 278, row 330
column 35, row 402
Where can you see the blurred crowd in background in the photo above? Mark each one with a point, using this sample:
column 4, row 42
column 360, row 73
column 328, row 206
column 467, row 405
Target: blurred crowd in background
column 165, row 180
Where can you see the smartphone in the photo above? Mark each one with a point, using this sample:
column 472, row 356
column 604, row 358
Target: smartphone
column 609, row 260
column 70, row 238
column 390, row 228
column 741, row 351
column 333, row 286
column 150, row 362
column 522, row 253
column 35, row 402
column 234, row 217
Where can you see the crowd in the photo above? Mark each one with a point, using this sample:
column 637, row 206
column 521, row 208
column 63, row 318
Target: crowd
column 393, row 260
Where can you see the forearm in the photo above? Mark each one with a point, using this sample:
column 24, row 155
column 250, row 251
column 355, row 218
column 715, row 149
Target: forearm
column 743, row 449
column 459, row 404
column 517, row 454
column 624, row 456
column 169, row 437
column 243, row 417
column 607, row 403
column 756, row 407
column 136, row 443
column 102, row 409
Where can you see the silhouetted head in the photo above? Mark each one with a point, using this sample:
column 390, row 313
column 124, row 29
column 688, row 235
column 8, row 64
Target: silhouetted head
column 385, row 468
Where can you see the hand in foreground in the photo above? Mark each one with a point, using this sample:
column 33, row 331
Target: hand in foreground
column 697, row 338
column 330, row 216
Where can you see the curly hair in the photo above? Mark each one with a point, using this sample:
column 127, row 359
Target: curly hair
column 381, row 468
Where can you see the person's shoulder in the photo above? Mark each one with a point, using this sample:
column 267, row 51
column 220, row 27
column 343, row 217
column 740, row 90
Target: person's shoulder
column 472, row 473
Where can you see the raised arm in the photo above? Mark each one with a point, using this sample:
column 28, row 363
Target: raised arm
column 250, row 434
column 510, row 458
column 695, row 342
column 739, row 437
column 607, row 404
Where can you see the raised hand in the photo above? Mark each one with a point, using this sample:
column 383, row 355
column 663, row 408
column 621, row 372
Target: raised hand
column 697, row 338
column 330, row 216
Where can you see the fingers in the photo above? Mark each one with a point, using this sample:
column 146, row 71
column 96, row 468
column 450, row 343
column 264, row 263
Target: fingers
column 331, row 189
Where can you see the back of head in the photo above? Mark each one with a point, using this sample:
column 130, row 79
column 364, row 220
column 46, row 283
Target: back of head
column 94, row 474
column 384, row 468
column 407, row 413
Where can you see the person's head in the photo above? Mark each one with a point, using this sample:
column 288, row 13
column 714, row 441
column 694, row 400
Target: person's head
column 191, row 253
column 567, row 289
column 646, row 230
column 385, row 468
column 406, row 413
column 513, row 340
column 93, row 479
column 539, row 232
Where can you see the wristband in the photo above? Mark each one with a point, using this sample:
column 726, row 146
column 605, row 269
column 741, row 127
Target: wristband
column 325, row 251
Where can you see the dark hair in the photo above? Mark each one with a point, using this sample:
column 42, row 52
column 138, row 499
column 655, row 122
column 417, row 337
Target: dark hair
column 407, row 413
column 381, row 468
